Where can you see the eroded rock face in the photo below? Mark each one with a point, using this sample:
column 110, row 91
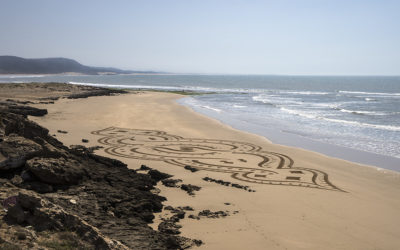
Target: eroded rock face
column 56, row 171
column 15, row 150
column 44, row 215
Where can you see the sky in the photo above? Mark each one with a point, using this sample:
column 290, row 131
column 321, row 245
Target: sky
column 298, row 37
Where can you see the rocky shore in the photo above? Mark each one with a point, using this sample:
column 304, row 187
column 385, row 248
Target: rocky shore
column 53, row 196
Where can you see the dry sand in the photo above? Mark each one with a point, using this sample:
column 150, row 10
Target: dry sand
column 339, row 205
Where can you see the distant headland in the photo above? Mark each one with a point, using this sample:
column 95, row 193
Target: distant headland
column 59, row 65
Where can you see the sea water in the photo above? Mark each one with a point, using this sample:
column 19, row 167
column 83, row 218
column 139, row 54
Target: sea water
column 356, row 118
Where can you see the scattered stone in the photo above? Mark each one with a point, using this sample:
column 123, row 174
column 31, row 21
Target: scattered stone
column 227, row 203
column 169, row 225
column 169, row 208
column 85, row 140
column 194, row 217
column 187, row 208
column 62, row 131
column 227, row 183
column 190, row 189
column 180, row 214
column 207, row 213
column 190, row 168
column 171, row 182
column 157, row 175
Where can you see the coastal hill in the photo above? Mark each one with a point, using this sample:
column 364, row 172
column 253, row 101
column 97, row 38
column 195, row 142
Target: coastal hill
column 19, row 65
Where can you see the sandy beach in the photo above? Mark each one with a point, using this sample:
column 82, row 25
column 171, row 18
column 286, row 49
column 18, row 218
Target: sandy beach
column 302, row 199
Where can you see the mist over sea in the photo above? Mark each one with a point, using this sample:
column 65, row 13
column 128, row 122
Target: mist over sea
column 328, row 114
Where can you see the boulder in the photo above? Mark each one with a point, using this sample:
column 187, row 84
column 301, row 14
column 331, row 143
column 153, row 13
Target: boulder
column 56, row 171
column 15, row 150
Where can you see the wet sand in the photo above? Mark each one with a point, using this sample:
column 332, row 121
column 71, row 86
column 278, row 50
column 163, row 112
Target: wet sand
column 303, row 200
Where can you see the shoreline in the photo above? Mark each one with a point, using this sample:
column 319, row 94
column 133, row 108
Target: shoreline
column 285, row 138
column 278, row 216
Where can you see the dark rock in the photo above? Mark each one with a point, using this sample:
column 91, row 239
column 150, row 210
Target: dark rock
column 17, row 214
column 96, row 197
column 85, row 140
column 171, row 182
column 21, row 235
column 26, row 176
column 15, row 150
column 169, row 208
column 169, row 227
column 62, row 131
column 96, row 92
column 207, row 213
column 157, row 175
column 44, row 215
column 198, row 242
column 189, row 188
column 194, row 217
column 39, row 187
column 12, row 107
column 19, row 102
column 190, row 168
column 227, row 183
column 56, row 171
column 144, row 167
column 180, row 214
column 187, row 208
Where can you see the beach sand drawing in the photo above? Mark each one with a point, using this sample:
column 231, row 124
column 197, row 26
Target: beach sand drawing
column 244, row 161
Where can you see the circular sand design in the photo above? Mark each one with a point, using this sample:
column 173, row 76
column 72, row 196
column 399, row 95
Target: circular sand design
column 243, row 161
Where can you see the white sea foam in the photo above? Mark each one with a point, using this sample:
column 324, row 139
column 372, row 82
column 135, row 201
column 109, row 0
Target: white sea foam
column 361, row 112
column 239, row 106
column 369, row 93
column 306, row 92
column 362, row 124
column 263, row 99
column 354, row 123
column 299, row 113
column 211, row 108
column 276, row 100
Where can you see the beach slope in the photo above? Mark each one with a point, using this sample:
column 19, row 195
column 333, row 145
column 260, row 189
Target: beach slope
column 276, row 197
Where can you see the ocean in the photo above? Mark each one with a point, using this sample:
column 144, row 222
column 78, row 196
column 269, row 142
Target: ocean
column 355, row 118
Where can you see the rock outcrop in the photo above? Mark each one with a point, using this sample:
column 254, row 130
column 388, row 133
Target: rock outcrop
column 48, row 187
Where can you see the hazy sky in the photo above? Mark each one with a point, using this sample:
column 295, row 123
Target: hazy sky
column 237, row 37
